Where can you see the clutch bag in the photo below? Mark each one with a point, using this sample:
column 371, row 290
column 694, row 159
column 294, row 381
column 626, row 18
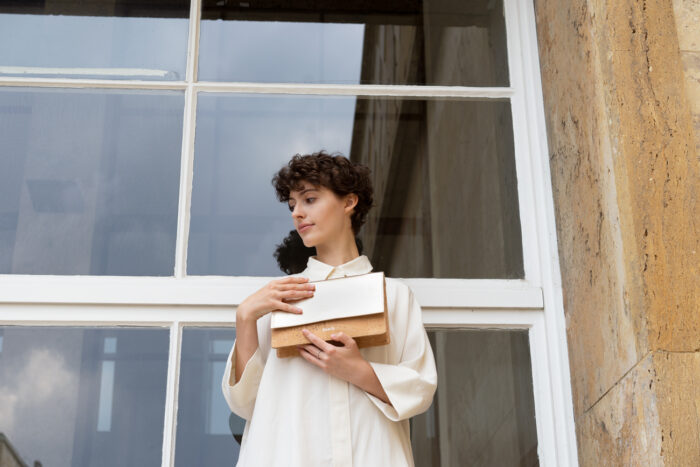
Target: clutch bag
column 355, row 305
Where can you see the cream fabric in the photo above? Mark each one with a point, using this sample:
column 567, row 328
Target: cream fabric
column 297, row 415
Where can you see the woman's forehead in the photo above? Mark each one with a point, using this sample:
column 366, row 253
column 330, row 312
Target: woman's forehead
column 305, row 187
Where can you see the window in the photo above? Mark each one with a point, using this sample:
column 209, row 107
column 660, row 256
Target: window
column 139, row 134
column 72, row 396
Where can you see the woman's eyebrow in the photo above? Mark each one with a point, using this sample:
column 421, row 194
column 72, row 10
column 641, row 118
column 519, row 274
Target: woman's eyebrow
column 303, row 191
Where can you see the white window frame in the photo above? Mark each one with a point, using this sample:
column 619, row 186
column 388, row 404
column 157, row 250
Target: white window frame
column 534, row 303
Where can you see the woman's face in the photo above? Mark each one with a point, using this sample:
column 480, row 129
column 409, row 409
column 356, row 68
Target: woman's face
column 319, row 214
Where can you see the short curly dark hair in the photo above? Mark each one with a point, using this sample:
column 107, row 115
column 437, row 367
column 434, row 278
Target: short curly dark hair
column 333, row 171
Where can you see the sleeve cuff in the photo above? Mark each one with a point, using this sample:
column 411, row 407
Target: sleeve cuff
column 241, row 396
column 408, row 393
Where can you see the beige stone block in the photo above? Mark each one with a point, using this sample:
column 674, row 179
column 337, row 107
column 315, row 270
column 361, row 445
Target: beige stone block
column 656, row 168
column 696, row 124
column 622, row 428
column 624, row 172
column 687, row 15
column 678, row 395
column 606, row 335
column 691, row 67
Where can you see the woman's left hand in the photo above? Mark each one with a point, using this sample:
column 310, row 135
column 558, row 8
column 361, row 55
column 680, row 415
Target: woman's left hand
column 344, row 362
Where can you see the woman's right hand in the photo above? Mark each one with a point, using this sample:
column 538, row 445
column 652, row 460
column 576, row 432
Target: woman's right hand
column 274, row 296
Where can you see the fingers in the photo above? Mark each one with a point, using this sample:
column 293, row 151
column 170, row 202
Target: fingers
column 281, row 306
column 292, row 280
column 310, row 357
column 312, row 349
column 296, row 294
column 318, row 342
column 302, row 286
column 290, row 289
column 344, row 339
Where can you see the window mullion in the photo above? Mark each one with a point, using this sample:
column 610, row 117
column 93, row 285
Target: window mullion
column 539, row 232
column 172, row 391
column 546, row 422
column 193, row 41
column 523, row 168
column 186, row 176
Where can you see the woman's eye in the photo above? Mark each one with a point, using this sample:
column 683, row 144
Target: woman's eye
column 291, row 208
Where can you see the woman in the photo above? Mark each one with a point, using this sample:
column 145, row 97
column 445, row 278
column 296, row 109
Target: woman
column 331, row 405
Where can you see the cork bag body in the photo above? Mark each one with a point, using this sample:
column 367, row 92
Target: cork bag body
column 355, row 305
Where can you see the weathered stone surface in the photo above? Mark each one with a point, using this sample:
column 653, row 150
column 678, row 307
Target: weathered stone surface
column 622, row 132
column 687, row 15
column 605, row 337
column 623, row 427
column 678, row 393
column 656, row 164
column 691, row 66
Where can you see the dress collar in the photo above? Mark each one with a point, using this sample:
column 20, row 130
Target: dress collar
column 318, row 270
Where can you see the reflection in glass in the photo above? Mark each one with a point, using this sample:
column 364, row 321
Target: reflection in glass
column 435, row 42
column 58, row 408
column 89, row 181
column 115, row 39
column 443, row 171
column 208, row 433
column 104, row 417
column 483, row 413
column 241, row 141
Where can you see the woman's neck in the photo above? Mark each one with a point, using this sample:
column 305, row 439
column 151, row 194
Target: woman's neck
column 337, row 254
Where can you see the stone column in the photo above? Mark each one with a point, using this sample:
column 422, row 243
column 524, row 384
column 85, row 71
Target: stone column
column 625, row 175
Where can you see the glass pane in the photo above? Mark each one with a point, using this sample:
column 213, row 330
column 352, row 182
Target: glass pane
column 435, row 42
column 89, row 181
column 73, row 397
column 208, row 433
column 483, row 413
column 446, row 201
column 111, row 39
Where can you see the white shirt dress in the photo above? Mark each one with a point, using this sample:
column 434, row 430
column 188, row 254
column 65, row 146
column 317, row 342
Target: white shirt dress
column 298, row 415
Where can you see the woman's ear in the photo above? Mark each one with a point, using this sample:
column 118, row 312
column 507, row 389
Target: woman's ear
column 351, row 200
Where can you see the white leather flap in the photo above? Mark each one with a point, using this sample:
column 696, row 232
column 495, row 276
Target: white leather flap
column 342, row 297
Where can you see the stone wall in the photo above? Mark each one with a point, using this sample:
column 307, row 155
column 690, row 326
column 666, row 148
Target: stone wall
column 687, row 14
column 618, row 93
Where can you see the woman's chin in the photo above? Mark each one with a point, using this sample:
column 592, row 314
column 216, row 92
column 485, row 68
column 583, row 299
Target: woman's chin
column 308, row 243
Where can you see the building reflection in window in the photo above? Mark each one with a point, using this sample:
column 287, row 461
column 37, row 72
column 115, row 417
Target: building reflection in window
column 89, row 181
column 208, row 433
column 61, row 407
column 433, row 42
column 102, row 39
column 483, row 413
column 446, row 201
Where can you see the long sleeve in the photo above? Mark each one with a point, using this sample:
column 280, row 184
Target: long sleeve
column 411, row 381
column 241, row 396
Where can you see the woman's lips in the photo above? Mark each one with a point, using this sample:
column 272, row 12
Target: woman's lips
column 305, row 228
